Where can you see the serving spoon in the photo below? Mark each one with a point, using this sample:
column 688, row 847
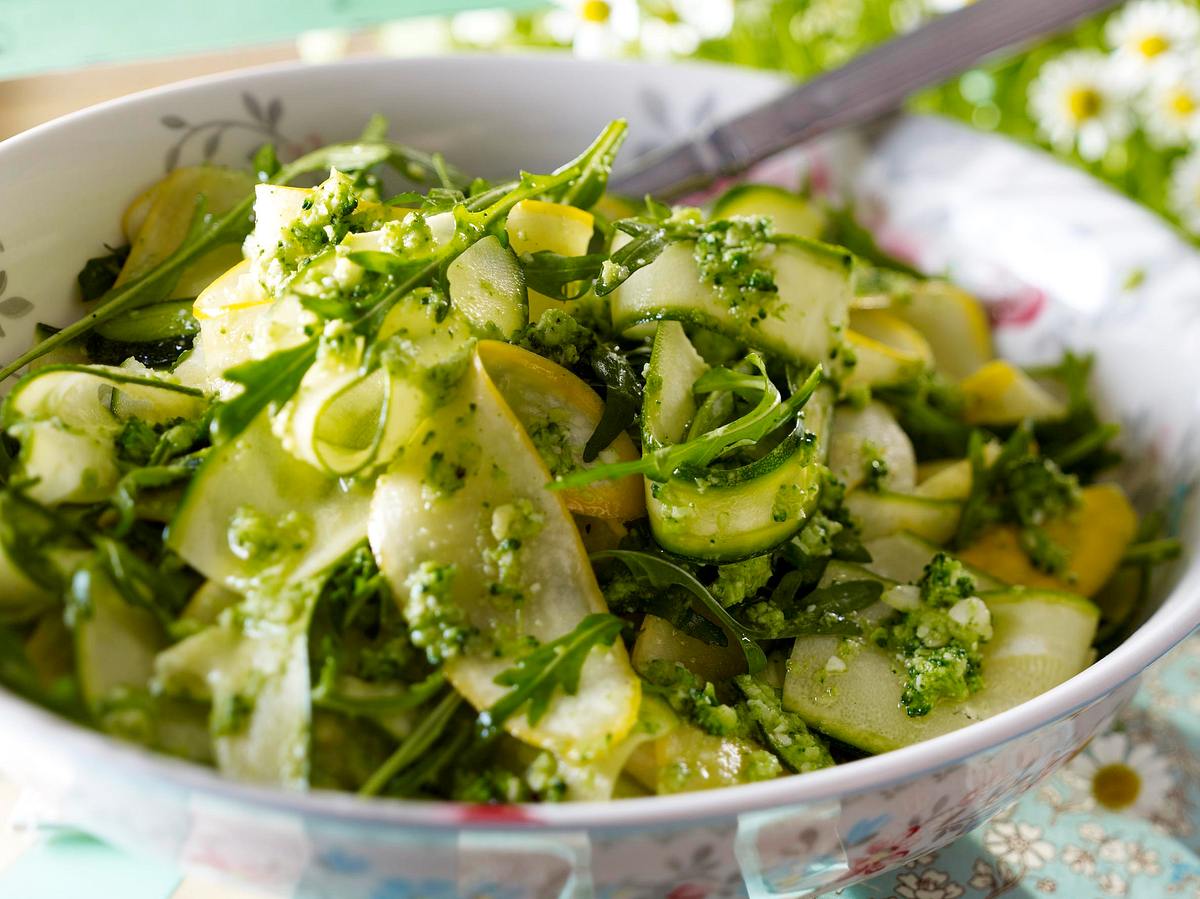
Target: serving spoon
column 858, row 92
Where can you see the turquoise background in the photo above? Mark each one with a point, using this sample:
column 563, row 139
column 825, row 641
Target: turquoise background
column 42, row 35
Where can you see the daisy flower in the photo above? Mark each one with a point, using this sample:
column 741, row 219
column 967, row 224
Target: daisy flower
column 483, row 27
column 1171, row 105
column 594, row 28
column 677, row 27
column 1018, row 844
column 662, row 38
column 1124, row 777
column 1079, row 100
column 1148, row 32
column 414, row 37
column 709, row 18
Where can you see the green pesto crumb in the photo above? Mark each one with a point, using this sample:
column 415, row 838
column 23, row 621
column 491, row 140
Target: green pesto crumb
column 436, row 623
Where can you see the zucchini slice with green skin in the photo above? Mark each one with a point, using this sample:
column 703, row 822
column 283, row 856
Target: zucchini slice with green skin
column 241, row 513
column 731, row 514
column 487, row 285
column 1041, row 638
column 468, row 500
column 903, row 557
column 803, row 322
column 880, row 513
column 868, row 437
column 64, row 464
column 152, row 324
column 668, row 403
column 734, row 513
column 67, row 416
column 789, row 212
column 256, row 675
column 115, row 644
column 21, row 597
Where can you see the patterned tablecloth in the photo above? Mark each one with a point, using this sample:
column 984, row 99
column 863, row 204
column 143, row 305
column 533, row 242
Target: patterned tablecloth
column 1123, row 819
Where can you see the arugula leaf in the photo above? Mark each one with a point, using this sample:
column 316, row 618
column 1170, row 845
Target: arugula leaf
column 132, row 483
column 560, row 277
column 326, row 695
column 1021, row 487
column 1152, row 552
column 649, row 240
column 845, row 231
column 99, row 273
column 266, row 381
column 18, row 674
column 8, row 459
column 375, row 130
column 162, row 586
column 660, row 572
column 825, row 610
column 591, row 170
column 423, row 737
column 930, row 409
column 27, row 531
column 720, row 379
column 1079, row 442
column 622, row 398
column 163, row 593
column 265, row 162
column 661, row 464
column 629, row 595
column 537, row 674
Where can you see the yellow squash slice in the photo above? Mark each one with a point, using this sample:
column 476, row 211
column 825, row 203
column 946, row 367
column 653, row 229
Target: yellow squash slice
column 496, row 479
column 1094, row 537
column 559, row 412
column 535, row 225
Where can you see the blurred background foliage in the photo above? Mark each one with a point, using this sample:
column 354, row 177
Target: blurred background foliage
column 1118, row 95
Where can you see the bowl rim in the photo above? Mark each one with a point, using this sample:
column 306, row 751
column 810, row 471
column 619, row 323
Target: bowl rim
column 1176, row 617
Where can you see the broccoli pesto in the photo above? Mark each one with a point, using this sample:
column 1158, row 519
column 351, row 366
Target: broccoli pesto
column 937, row 636
column 729, row 255
column 436, row 623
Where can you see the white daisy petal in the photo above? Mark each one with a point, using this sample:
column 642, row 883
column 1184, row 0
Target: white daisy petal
column 1147, row 33
column 1081, row 100
column 709, row 18
column 482, row 27
column 1170, row 105
column 594, row 28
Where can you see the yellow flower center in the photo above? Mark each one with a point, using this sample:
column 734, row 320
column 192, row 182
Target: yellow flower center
column 1182, row 103
column 1084, row 102
column 1153, row 44
column 595, row 11
column 1116, row 786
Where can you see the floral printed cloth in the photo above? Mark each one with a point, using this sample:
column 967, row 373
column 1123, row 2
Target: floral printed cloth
column 1121, row 819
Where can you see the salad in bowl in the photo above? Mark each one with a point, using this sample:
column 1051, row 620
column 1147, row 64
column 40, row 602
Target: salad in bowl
column 520, row 491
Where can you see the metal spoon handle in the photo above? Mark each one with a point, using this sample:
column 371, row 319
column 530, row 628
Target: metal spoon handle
column 858, row 92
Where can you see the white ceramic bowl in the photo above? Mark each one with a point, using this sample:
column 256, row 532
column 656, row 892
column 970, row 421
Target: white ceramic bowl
column 1062, row 260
